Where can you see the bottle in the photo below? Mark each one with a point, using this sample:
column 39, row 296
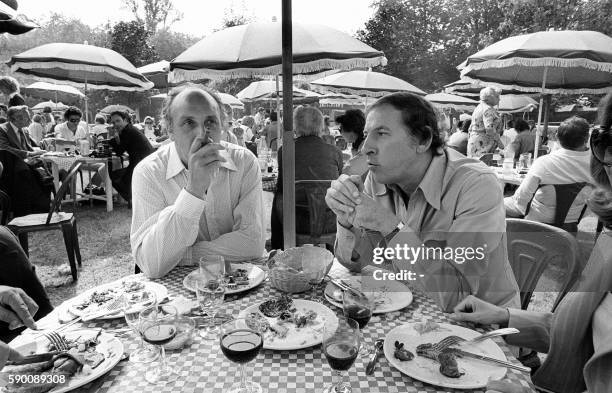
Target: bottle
column 270, row 165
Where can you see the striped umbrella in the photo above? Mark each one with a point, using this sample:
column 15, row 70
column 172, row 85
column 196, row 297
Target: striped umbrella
column 366, row 83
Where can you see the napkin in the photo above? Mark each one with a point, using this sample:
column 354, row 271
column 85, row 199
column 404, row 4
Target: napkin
column 183, row 305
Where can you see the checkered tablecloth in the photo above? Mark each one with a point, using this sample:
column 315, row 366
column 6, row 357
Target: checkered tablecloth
column 203, row 368
column 66, row 162
column 268, row 182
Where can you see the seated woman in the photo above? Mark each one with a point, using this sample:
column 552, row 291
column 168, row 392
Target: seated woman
column 71, row 129
column 577, row 335
column 524, row 142
column 314, row 160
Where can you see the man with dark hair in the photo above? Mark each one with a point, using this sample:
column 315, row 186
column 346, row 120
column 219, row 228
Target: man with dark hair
column 425, row 208
column 127, row 139
column 566, row 165
column 71, row 130
column 197, row 196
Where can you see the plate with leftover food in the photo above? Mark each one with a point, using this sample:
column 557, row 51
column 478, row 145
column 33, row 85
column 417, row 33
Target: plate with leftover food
column 96, row 299
column 289, row 324
column 92, row 354
column 244, row 276
column 408, row 349
column 388, row 295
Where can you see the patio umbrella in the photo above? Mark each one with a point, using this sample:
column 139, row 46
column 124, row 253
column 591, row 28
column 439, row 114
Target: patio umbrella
column 511, row 103
column 81, row 66
column 225, row 98
column 156, row 73
column 549, row 62
column 471, row 89
column 53, row 105
column 50, row 91
column 12, row 22
column 114, row 108
column 366, row 83
column 451, row 101
column 267, row 89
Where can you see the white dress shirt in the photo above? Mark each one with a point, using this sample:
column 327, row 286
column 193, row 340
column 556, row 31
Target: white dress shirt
column 36, row 131
column 172, row 227
column 62, row 131
column 562, row 166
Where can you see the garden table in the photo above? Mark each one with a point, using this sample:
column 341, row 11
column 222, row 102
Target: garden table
column 204, row 368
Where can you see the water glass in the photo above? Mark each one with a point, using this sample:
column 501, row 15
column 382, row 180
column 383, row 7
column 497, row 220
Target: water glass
column 159, row 327
column 341, row 342
column 132, row 307
column 210, row 291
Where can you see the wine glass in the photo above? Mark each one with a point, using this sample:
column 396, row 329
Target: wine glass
column 240, row 343
column 158, row 324
column 210, row 292
column 341, row 342
column 359, row 308
column 314, row 280
column 132, row 306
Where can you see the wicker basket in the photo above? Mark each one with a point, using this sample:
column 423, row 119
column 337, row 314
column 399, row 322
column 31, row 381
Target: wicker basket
column 286, row 269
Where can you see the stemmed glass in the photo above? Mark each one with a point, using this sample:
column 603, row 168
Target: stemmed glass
column 359, row 308
column 341, row 342
column 241, row 342
column 314, row 279
column 158, row 325
column 132, row 307
column 210, row 291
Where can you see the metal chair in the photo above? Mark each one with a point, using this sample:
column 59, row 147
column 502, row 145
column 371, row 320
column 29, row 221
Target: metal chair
column 55, row 219
column 565, row 195
column 322, row 221
column 531, row 248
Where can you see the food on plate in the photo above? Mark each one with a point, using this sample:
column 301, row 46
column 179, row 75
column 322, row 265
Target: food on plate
column 66, row 364
column 292, row 316
column 101, row 297
column 447, row 360
column 402, row 353
column 426, row 327
column 261, row 322
column 237, row 277
column 272, row 308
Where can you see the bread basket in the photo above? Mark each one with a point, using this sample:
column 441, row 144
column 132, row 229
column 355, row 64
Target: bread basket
column 290, row 270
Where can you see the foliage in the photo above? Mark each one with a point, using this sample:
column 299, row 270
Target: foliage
column 169, row 44
column 235, row 16
column 131, row 39
column 154, row 13
column 231, row 86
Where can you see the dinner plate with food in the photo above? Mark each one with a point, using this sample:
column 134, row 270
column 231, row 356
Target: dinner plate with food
column 408, row 349
column 244, row 276
column 289, row 324
column 92, row 354
column 388, row 295
column 96, row 299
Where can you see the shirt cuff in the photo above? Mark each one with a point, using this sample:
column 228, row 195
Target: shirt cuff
column 188, row 205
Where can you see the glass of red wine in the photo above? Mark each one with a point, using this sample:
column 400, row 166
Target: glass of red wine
column 158, row 324
column 241, row 340
column 360, row 308
column 341, row 342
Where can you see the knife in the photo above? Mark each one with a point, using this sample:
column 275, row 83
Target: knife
column 36, row 358
column 504, row 363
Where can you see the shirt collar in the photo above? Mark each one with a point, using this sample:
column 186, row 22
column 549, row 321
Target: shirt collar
column 175, row 165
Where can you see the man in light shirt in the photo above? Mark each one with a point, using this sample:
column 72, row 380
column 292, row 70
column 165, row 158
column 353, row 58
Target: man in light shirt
column 71, row 130
column 197, row 196
column 566, row 165
column 423, row 197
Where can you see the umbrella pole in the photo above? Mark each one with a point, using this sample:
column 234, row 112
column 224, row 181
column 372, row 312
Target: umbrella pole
column 278, row 112
column 86, row 105
column 288, row 145
column 537, row 139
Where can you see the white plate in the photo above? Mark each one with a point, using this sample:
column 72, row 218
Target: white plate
column 303, row 337
column 108, row 345
column 477, row 373
column 160, row 292
column 256, row 277
column 389, row 295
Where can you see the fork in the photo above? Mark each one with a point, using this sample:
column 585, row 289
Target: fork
column 58, row 341
column 111, row 308
column 432, row 353
column 454, row 340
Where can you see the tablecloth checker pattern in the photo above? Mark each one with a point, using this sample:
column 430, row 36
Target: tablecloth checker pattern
column 203, row 368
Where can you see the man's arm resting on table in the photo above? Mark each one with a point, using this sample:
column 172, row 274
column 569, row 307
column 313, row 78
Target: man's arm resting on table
column 534, row 329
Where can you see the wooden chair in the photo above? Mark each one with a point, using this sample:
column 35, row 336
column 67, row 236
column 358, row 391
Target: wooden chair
column 55, row 219
column 322, row 221
column 531, row 248
column 565, row 195
column 487, row 159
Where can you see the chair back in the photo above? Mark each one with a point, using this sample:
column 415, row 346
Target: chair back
column 322, row 221
column 487, row 158
column 341, row 143
column 534, row 246
column 59, row 196
column 5, row 207
column 565, row 195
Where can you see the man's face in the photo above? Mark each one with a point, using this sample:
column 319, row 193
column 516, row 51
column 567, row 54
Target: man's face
column 21, row 119
column 118, row 122
column 391, row 151
column 73, row 122
column 194, row 113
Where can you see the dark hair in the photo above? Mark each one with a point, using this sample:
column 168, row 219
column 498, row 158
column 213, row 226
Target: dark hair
column 417, row 114
column 521, row 125
column 600, row 201
column 72, row 111
column 511, row 124
column 353, row 120
column 47, row 109
column 466, row 125
column 573, row 132
column 100, row 119
column 14, row 110
column 273, row 116
column 460, row 124
column 123, row 114
column 166, row 117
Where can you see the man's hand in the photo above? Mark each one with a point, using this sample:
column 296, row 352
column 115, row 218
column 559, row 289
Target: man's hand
column 371, row 215
column 204, row 160
column 17, row 308
column 473, row 309
column 343, row 196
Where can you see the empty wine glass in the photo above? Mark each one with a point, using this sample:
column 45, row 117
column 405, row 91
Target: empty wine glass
column 241, row 342
column 359, row 308
column 158, row 324
column 132, row 306
column 210, row 292
column 341, row 342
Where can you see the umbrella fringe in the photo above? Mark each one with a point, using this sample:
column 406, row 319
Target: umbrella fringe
column 178, row 75
column 454, row 106
column 539, row 62
column 364, row 93
column 536, row 89
column 140, row 84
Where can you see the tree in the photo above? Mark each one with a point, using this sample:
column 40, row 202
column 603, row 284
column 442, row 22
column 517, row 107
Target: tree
column 170, row 44
column 131, row 39
column 235, row 15
column 154, row 13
